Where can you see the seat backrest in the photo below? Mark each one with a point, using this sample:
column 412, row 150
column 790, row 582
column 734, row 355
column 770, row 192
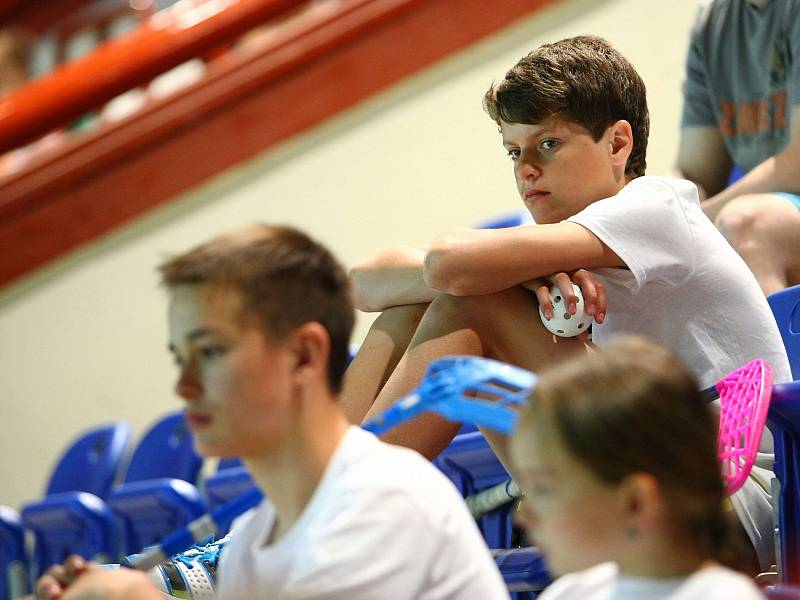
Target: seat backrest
column 512, row 219
column 229, row 463
column 13, row 560
column 165, row 450
column 782, row 592
column 92, row 461
column 784, row 422
column 472, row 466
column 785, row 306
column 471, row 453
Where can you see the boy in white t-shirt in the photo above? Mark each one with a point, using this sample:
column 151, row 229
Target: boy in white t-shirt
column 259, row 323
column 574, row 120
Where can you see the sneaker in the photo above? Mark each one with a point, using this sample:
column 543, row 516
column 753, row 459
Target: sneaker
column 191, row 574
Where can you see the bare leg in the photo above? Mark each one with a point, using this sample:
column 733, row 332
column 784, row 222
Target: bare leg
column 763, row 228
column 378, row 356
column 504, row 326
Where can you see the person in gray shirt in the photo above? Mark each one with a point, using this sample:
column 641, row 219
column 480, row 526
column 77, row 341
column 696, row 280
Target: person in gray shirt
column 742, row 109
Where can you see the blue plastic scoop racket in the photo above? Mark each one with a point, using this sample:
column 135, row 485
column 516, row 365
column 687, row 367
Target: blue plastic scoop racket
column 466, row 389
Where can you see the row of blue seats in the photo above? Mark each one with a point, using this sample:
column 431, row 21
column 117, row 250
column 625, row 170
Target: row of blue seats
column 90, row 509
column 87, row 512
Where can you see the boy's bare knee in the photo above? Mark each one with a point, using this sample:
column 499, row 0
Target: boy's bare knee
column 473, row 309
column 507, row 323
column 739, row 219
column 400, row 318
column 757, row 223
column 747, row 223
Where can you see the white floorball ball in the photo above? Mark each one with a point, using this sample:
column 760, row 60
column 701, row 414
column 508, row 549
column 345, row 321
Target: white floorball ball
column 564, row 324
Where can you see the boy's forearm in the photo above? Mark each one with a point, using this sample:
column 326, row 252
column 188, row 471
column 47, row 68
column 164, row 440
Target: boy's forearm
column 393, row 277
column 476, row 262
column 776, row 174
column 469, row 262
column 117, row 584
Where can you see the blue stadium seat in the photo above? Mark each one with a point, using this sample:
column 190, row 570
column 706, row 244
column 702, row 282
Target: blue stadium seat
column 72, row 517
column 512, row 219
column 783, row 420
column 456, row 475
column 229, row 463
column 13, row 559
column 156, row 497
column 524, row 571
column 472, row 465
column 158, row 494
column 782, row 592
column 231, row 480
column 736, row 174
column 92, row 462
column 785, row 306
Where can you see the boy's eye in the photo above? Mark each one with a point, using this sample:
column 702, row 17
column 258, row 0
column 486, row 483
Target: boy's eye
column 209, row 352
column 513, row 153
column 203, row 353
column 548, row 145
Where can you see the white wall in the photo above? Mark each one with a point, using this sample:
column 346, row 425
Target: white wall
column 83, row 341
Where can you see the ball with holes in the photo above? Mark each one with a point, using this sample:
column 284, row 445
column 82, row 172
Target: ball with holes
column 564, row 324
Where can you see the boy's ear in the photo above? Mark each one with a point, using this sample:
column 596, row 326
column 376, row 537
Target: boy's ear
column 311, row 347
column 621, row 139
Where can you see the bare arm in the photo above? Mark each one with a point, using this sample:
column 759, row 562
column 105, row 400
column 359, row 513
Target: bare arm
column 471, row 262
column 78, row 579
column 703, row 159
column 393, row 277
column 779, row 173
column 121, row 584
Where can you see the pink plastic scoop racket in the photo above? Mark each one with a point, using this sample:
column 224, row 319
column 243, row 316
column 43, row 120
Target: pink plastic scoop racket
column 744, row 401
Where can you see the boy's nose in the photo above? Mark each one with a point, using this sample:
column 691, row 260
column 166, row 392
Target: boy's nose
column 528, row 170
column 187, row 386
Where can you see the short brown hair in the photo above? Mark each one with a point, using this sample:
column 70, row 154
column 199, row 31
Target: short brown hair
column 635, row 408
column 582, row 80
column 285, row 277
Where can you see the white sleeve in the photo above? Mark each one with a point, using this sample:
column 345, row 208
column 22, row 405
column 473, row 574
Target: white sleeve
column 794, row 41
column 646, row 226
column 595, row 582
column 718, row 583
column 384, row 536
column 698, row 102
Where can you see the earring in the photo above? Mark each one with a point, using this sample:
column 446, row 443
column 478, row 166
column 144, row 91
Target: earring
column 631, row 533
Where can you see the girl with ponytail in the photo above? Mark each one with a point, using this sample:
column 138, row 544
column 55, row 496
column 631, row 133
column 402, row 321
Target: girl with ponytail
column 617, row 452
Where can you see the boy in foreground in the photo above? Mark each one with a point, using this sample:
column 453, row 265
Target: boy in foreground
column 259, row 323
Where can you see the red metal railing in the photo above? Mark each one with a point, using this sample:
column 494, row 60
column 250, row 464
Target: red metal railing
column 322, row 58
column 166, row 40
